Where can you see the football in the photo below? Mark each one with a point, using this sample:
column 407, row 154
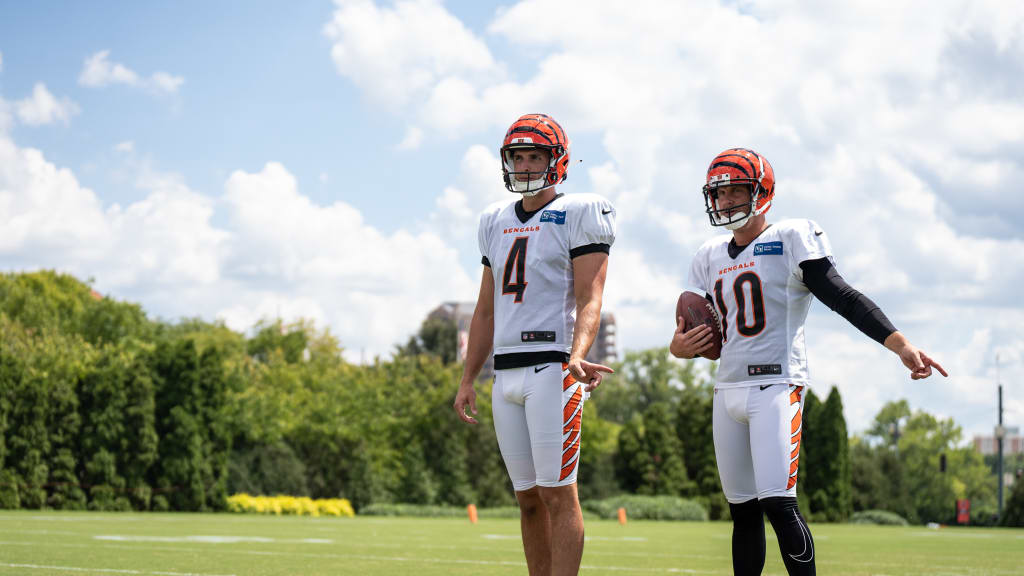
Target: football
column 696, row 310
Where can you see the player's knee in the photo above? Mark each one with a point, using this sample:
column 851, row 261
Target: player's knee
column 746, row 514
column 530, row 502
column 558, row 498
column 779, row 508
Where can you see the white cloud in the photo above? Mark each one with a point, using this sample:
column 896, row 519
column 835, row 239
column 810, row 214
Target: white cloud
column 6, row 119
column 164, row 82
column 374, row 288
column 99, row 71
column 43, row 108
column 398, row 54
column 478, row 185
column 44, row 210
column 125, row 147
column 277, row 253
column 412, row 139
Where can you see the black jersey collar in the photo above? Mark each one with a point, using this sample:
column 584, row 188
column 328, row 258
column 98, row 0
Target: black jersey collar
column 525, row 216
column 735, row 250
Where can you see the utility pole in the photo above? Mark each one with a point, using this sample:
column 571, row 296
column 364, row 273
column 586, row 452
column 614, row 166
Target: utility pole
column 1000, row 432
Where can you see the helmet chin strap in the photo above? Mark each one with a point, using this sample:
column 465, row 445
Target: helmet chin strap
column 738, row 223
column 526, row 188
column 742, row 221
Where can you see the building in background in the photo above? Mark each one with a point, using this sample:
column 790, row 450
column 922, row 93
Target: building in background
column 1013, row 443
column 602, row 351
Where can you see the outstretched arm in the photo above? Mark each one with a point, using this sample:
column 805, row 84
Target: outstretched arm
column 827, row 285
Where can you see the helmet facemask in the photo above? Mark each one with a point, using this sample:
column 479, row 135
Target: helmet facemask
column 536, row 181
column 738, row 218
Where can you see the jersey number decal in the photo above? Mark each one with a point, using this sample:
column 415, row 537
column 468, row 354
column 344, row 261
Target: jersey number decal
column 743, row 325
column 516, row 260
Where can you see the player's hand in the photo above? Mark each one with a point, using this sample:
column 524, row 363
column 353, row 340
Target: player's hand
column 919, row 363
column 465, row 397
column 691, row 343
column 588, row 373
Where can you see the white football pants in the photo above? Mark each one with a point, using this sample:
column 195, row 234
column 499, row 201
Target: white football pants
column 538, row 413
column 757, row 440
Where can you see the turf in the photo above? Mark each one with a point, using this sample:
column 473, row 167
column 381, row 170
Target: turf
column 40, row 543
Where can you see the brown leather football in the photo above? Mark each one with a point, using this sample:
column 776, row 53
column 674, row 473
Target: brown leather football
column 697, row 310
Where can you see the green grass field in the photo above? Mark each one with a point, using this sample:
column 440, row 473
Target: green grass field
column 40, row 543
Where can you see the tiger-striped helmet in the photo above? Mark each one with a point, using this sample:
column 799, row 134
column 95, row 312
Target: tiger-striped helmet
column 739, row 166
column 535, row 131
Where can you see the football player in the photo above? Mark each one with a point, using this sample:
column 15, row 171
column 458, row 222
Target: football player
column 760, row 278
column 545, row 258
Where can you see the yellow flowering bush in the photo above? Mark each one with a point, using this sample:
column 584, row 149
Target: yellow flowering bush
column 299, row 506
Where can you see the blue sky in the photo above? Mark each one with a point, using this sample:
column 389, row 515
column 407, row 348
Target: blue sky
column 328, row 160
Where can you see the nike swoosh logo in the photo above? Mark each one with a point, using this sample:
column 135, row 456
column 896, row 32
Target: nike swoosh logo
column 808, row 553
column 606, row 211
column 765, row 387
column 817, row 232
column 539, row 368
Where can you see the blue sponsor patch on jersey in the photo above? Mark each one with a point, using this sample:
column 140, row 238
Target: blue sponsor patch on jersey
column 555, row 216
column 767, row 248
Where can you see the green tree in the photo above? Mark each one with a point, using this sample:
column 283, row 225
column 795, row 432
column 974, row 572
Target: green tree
column 832, row 496
column 696, row 435
column 812, row 474
column 1013, row 513
column 652, row 455
column 596, row 475
column 274, row 336
column 644, row 378
column 437, row 337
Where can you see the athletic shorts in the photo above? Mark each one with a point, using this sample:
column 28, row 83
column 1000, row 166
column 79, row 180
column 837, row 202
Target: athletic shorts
column 757, row 440
column 538, row 413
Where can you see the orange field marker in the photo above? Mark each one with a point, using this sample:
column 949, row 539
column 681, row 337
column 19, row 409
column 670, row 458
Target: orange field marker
column 471, row 509
column 622, row 516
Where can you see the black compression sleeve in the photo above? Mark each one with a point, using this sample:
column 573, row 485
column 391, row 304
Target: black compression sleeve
column 824, row 281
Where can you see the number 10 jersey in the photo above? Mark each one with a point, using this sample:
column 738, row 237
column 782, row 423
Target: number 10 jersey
column 530, row 255
column 762, row 301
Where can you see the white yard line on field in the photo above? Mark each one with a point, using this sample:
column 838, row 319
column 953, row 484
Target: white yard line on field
column 212, row 539
column 104, row 570
column 368, row 557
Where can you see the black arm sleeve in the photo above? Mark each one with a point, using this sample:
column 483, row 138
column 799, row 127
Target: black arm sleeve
column 824, row 281
column 485, row 261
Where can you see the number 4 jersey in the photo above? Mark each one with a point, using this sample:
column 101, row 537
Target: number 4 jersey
column 530, row 255
column 762, row 301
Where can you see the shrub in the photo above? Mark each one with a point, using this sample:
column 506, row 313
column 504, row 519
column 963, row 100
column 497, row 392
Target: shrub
column 420, row 510
column 649, row 508
column 289, row 505
column 160, row 503
column 880, row 517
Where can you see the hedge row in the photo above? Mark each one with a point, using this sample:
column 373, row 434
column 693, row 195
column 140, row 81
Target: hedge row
column 290, row 505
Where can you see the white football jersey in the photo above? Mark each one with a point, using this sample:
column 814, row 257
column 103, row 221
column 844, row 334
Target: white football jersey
column 762, row 302
column 530, row 256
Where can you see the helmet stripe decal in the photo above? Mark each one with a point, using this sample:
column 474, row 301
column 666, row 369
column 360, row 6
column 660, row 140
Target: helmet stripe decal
column 746, row 159
column 732, row 165
column 531, row 130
